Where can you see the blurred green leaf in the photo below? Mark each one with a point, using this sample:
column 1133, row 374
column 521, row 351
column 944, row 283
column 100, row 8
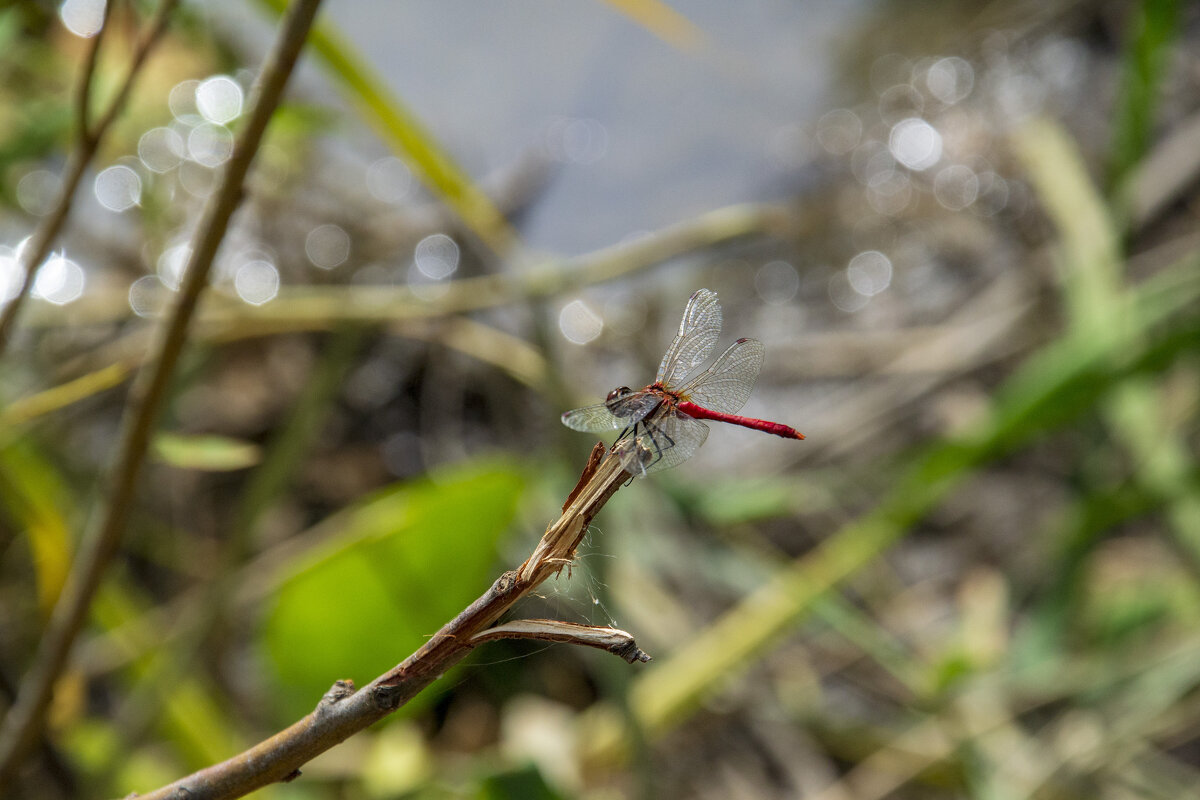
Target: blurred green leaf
column 35, row 498
column 205, row 452
column 1100, row 311
column 401, row 565
column 183, row 702
column 525, row 783
column 1155, row 26
column 739, row 500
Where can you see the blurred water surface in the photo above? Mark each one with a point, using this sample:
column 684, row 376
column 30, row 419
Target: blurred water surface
column 643, row 133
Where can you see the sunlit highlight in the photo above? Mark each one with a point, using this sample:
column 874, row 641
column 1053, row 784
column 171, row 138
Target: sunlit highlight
column 327, row 246
column 436, row 256
column 59, row 281
column 257, row 282
column 82, row 17
column 869, row 273
column 219, row 99
column 915, row 143
column 578, row 323
column 118, row 188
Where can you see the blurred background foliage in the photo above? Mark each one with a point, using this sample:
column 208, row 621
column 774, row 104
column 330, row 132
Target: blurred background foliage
column 965, row 230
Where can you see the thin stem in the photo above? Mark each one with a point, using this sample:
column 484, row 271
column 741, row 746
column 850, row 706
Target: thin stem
column 343, row 711
column 148, row 394
column 35, row 252
column 83, row 95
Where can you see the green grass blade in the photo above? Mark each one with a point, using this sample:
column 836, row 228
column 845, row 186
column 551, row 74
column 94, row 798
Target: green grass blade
column 1092, row 284
column 1156, row 24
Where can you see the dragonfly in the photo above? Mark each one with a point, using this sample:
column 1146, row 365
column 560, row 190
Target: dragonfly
column 661, row 423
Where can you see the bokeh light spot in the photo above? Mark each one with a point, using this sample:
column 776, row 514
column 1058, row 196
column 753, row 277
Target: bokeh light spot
column 956, row 187
column 436, row 256
column 161, row 149
column 869, row 273
column 777, row 282
column 210, row 144
column 147, row 296
column 257, row 282
column 182, row 100
column 38, row 191
column 389, row 180
column 60, row 280
column 327, row 246
column 915, row 143
column 578, row 323
column 82, row 17
column 839, row 130
column 118, row 188
column 950, row 80
column 219, row 99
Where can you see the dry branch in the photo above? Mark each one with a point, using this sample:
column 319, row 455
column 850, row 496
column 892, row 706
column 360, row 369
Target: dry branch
column 24, row 720
column 343, row 711
column 613, row 640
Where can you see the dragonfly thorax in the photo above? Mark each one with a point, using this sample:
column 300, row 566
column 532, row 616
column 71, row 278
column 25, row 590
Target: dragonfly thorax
column 626, row 404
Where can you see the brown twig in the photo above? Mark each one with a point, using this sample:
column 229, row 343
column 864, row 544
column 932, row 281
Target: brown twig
column 148, row 394
column 317, row 307
column 614, row 640
column 89, row 137
column 343, row 711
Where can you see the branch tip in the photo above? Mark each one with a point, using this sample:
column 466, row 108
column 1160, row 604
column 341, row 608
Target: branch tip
column 613, row 640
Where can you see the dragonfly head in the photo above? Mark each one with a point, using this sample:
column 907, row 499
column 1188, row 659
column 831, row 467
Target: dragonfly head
column 616, row 395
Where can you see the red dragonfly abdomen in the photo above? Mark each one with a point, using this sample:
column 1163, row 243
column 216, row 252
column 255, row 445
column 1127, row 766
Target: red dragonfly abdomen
column 776, row 428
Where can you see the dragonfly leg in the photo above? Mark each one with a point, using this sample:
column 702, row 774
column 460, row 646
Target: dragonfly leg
column 655, row 432
column 641, row 449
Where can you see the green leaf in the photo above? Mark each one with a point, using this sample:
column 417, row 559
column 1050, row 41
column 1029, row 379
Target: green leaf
column 401, row 564
column 205, row 452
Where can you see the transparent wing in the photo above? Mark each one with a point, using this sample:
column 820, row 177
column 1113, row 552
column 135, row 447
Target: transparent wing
column 725, row 386
column 664, row 441
column 698, row 333
column 600, row 417
column 591, row 419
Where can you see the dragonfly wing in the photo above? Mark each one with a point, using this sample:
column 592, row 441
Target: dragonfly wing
column 591, row 419
column 686, row 435
column 662, row 442
column 698, row 333
column 725, row 386
column 601, row 417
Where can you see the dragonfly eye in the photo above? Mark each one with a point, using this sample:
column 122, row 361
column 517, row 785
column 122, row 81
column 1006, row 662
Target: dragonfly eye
column 617, row 394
